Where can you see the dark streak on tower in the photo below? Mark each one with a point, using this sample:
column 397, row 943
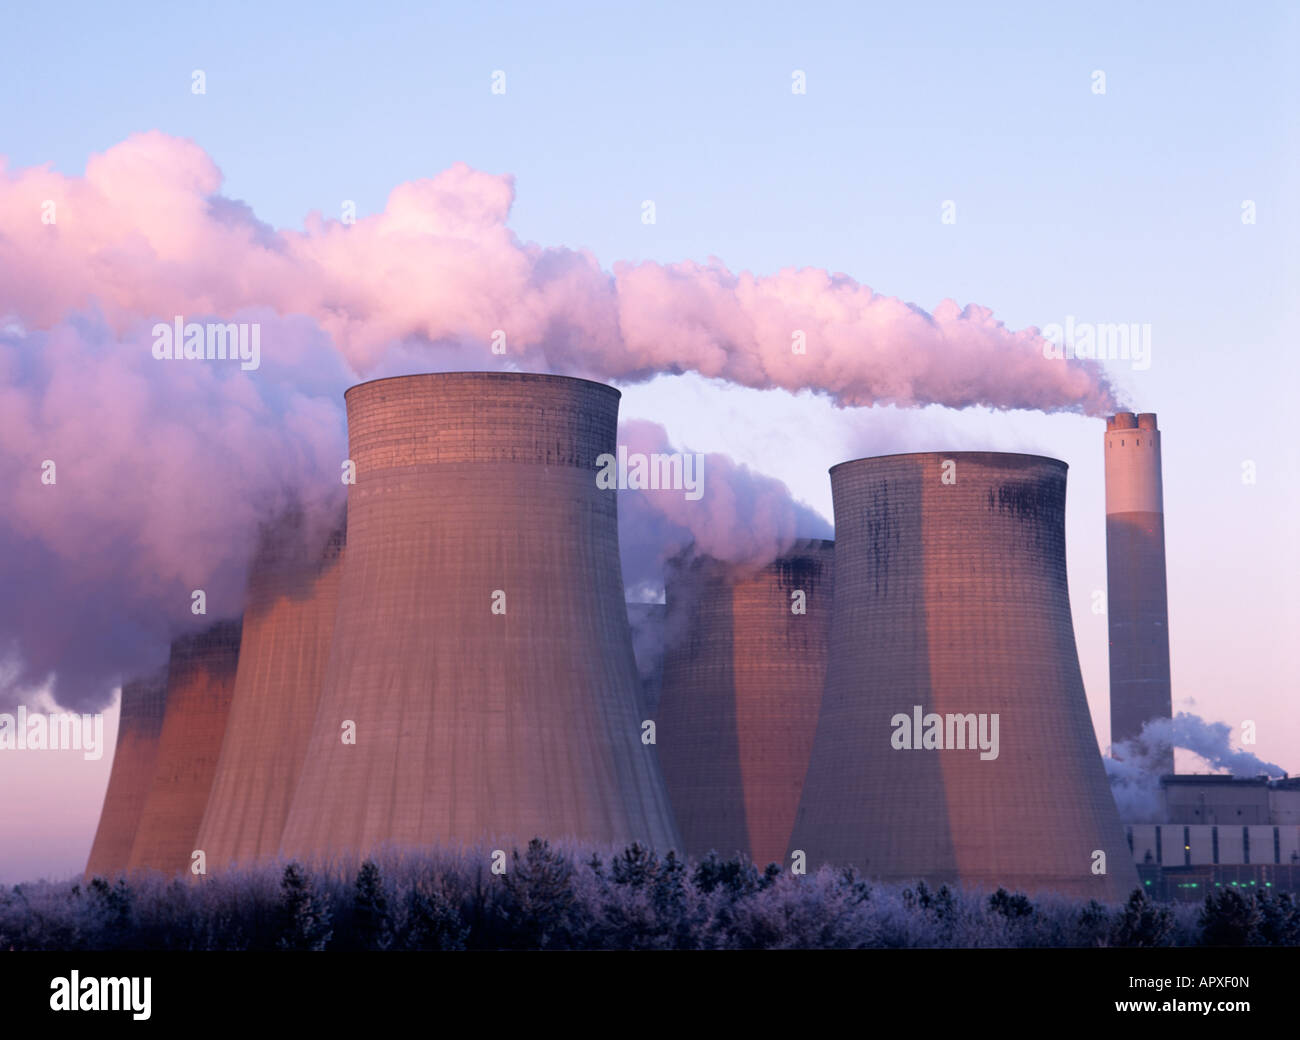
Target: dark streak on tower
column 743, row 678
column 200, row 683
column 288, row 627
column 953, row 597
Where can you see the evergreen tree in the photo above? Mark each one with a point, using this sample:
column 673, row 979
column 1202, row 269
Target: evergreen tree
column 1012, row 907
column 1094, row 923
column 637, row 866
column 304, row 913
column 113, row 907
column 1143, row 922
column 433, row 923
column 371, row 924
column 1279, row 918
column 1229, row 919
column 541, row 899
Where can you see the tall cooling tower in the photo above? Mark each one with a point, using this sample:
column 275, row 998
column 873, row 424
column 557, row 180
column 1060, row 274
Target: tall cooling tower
column 1135, row 576
column 647, row 621
column 139, row 725
column 288, row 624
column 951, row 601
column 481, row 651
column 743, row 676
column 200, row 682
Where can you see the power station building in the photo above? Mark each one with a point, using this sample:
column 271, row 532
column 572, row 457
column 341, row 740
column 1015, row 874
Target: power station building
column 287, row 630
column 481, row 684
column 138, row 728
column 744, row 667
column 1218, row 832
column 1138, row 606
column 954, row 742
column 200, row 683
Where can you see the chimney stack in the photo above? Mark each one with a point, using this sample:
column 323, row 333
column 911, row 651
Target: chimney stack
column 1138, row 609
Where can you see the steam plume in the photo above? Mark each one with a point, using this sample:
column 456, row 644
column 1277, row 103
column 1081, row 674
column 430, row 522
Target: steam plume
column 166, row 470
column 1135, row 774
column 145, row 233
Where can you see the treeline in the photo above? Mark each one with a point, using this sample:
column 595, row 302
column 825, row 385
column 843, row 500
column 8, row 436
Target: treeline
column 579, row 897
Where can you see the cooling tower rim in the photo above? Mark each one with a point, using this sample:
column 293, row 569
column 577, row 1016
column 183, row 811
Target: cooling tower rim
column 687, row 556
column 492, row 376
column 1008, row 455
column 221, row 635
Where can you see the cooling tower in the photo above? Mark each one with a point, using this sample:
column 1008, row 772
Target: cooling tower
column 951, row 626
column 288, row 625
column 1138, row 608
column 138, row 727
column 647, row 621
column 200, row 682
column 743, row 676
column 481, row 656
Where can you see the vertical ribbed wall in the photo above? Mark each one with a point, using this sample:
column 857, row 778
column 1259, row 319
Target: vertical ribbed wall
column 200, row 682
column 1138, row 607
column 953, row 596
column 138, row 728
column 474, row 726
column 288, row 625
column 743, row 678
column 647, row 621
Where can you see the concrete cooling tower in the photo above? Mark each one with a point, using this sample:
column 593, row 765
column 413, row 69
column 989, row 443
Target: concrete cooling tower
column 1138, row 609
column 200, row 682
column 138, row 728
column 743, row 675
column 288, row 625
column 647, row 621
column 954, row 742
column 481, row 685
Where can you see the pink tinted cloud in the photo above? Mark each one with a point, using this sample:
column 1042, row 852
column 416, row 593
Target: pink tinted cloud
column 166, row 469
column 741, row 516
column 162, row 474
column 145, row 234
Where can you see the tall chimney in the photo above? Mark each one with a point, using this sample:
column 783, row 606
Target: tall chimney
column 952, row 612
column 481, row 685
column 1138, row 609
